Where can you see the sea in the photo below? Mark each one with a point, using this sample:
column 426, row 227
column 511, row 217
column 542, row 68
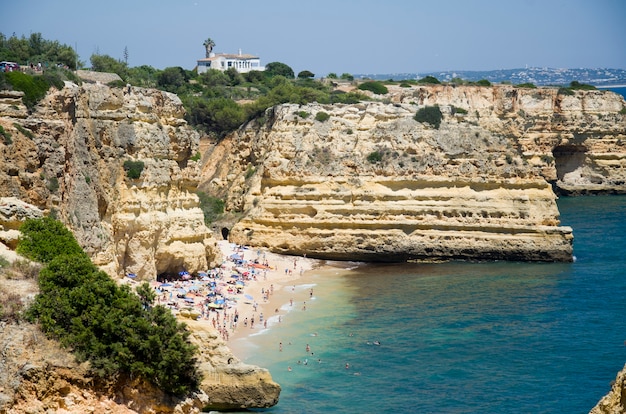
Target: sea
column 456, row 337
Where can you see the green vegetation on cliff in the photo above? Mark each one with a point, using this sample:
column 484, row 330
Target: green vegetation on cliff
column 108, row 325
column 430, row 114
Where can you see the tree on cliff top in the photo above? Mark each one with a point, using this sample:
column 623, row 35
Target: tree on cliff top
column 208, row 44
column 101, row 322
column 278, row 69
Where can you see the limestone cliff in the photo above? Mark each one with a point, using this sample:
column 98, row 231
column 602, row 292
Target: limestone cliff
column 615, row 401
column 67, row 157
column 372, row 183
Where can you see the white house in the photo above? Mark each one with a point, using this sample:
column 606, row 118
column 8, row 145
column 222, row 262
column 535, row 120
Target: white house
column 222, row 61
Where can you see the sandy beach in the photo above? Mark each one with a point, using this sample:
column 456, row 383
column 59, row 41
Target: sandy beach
column 239, row 297
column 264, row 289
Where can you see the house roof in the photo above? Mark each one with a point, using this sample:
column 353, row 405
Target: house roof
column 234, row 56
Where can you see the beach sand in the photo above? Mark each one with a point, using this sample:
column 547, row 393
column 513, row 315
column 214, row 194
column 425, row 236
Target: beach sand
column 264, row 298
column 284, row 271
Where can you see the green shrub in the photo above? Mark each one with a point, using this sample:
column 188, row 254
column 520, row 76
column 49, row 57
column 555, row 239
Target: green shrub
column 196, row 157
column 483, row 82
column 212, row 207
column 23, row 130
column 623, row 110
column 53, row 184
column 303, row 114
column 374, row 86
column 527, row 85
column 429, row 114
column 322, row 116
column 34, row 87
column 250, row 172
column 306, row 74
column 6, row 136
column 375, row 157
column 104, row 323
column 565, row 91
column 581, row 86
column 457, row 110
column 44, row 239
column 133, row 169
column 429, row 80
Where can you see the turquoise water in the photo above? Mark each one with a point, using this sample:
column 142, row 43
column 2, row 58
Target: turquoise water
column 459, row 337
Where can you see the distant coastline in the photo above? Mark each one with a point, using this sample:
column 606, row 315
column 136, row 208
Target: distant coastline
column 609, row 78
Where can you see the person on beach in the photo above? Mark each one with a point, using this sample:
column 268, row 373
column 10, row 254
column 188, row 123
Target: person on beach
column 280, row 347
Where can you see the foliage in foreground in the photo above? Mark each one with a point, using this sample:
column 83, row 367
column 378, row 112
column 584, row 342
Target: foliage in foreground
column 101, row 322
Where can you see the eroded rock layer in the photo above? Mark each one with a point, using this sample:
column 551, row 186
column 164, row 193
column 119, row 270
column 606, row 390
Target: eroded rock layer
column 67, row 157
column 372, row 183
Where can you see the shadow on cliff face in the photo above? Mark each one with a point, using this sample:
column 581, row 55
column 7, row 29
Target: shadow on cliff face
column 225, row 233
column 568, row 158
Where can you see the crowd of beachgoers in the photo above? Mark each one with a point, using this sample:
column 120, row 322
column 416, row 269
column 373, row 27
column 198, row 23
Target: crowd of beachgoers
column 235, row 295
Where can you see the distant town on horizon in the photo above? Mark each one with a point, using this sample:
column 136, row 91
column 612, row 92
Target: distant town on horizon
column 600, row 77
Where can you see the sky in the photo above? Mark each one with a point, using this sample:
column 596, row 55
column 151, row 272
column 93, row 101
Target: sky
column 336, row 36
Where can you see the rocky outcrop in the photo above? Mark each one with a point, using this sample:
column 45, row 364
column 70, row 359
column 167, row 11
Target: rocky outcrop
column 372, row 183
column 615, row 401
column 67, row 158
column 37, row 376
column 229, row 383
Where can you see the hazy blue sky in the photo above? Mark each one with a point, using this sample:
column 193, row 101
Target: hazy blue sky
column 353, row 36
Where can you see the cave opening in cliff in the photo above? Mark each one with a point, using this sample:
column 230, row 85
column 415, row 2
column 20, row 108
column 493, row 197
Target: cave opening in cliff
column 225, row 233
column 568, row 158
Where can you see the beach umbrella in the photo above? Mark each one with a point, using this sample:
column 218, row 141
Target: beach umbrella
column 189, row 300
column 220, row 301
column 215, row 306
column 166, row 284
column 234, row 276
column 131, row 275
column 249, row 297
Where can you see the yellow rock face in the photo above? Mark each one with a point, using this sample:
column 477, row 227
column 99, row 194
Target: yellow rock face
column 70, row 161
column 372, row 183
